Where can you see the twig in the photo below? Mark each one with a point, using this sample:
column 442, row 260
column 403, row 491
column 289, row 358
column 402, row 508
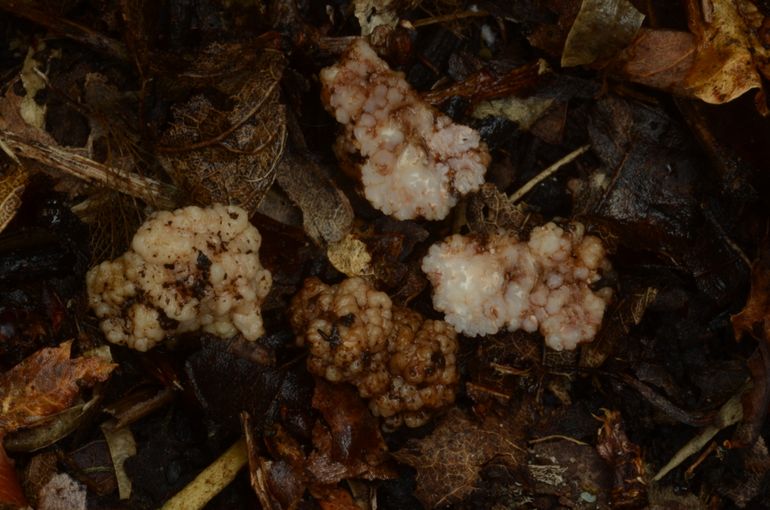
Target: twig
column 448, row 17
column 158, row 194
column 69, row 29
column 211, row 481
column 556, row 436
column 548, row 172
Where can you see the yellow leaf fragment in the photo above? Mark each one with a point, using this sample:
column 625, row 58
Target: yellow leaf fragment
column 350, row 256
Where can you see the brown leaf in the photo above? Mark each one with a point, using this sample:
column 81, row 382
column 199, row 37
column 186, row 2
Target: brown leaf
column 350, row 444
column 629, row 488
column 659, row 59
column 338, row 499
column 326, row 211
column 723, row 57
column 46, row 383
column 449, row 459
column 224, row 146
column 601, row 29
column 10, row 489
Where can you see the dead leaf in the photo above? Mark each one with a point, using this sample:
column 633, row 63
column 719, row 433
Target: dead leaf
column 225, row 146
column 10, row 489
column 753, row 320
column 12, row 185
column 658, row 58
column 722, row 58
column 338, row 499
column 349, row 443
column 602, row 28
column 349, row 256
column 726, row 45
column 629, row 487
column 46, row 383
column 326, row 211
column 448, row 461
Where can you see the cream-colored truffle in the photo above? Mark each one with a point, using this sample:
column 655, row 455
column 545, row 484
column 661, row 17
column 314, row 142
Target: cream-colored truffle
column 417, row 162
column 402, row 363
column 501, row 282
column 189, row 269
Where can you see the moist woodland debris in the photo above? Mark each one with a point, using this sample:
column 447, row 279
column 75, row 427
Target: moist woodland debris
column 108, row 79
column 601, row 29
column 91, row 464
column 723, row 56
column 326, row 212
column 629, row 486
column 753, row 321
column 449, row 460
column 640, row 145
column 268, row 393
column 224, row 145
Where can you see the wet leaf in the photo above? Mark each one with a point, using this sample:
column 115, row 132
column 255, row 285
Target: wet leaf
column 12, row 185
column 349, row 256
column 10, row 489
column 349, row 443
column 225, row 146
column 326, row 211
column 601, row 29
column 726, row 48
column 46, row 383
column 122, row 445
column 448, row 461
column 625, row 457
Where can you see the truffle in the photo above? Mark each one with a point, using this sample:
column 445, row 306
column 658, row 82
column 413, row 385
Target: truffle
column 401, row 362
column 417, row 162
column 189, row 269
column 544, row 284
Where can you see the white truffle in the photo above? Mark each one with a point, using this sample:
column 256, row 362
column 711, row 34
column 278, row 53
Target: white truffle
column 417, row 162
column 503, row 283
column 189, row 269
column 402, row 363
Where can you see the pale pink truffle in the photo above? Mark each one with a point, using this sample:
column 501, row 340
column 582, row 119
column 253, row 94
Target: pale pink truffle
column 417, row 162
column 540, row 285
column 189, row 269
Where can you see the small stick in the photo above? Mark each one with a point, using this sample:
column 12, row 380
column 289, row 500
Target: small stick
column 548, row 172
column 211, row 481
column 448, row 17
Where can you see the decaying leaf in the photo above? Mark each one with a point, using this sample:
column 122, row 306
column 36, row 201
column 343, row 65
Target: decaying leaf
column 722, row 57
column 349, row 256
column 349, row 443
column 601, row 29
column 10, row 489
column 226, row 149
column 449, row 459
column 122, row 445
column 726, row 48
column 326, row 211
column 629, row 488
column 12, row 185
column 46, row 383
column 376, row 13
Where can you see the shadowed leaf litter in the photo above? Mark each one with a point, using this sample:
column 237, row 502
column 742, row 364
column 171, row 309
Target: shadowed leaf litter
column 645, row 121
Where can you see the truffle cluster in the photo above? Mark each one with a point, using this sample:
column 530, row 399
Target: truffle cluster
column 402, row 363
column 416, row 160
column 543, row 284
column 189, row 269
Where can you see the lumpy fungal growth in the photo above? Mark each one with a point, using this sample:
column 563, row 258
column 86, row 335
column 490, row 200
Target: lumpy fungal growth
column 417, row 162
column 503, row 283
column 401, row 362
column 189, row 269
